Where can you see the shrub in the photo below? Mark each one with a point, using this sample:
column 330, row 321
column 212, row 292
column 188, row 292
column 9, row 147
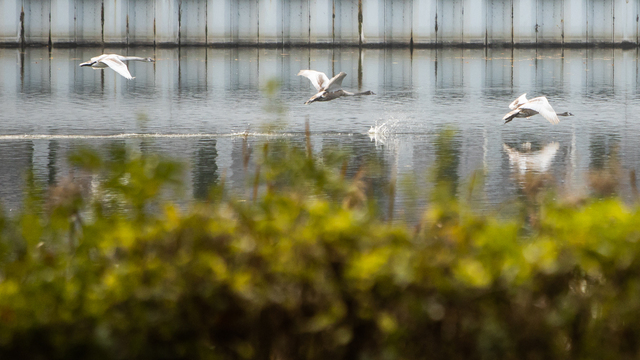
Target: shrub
column 308, row 270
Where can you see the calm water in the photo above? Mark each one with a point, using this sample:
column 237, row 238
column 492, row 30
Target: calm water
column 49, row 106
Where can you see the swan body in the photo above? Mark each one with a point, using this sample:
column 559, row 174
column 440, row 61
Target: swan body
column 328, row 89
column 523, row 108
column 115, row 62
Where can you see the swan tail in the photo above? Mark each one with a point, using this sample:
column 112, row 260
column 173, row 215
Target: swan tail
column 511, row 115
column 315, row 97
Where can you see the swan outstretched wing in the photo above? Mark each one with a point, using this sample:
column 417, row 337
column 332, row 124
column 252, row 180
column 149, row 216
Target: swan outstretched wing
column 519, row 101
column 318, row 79
column 335, row 83
column 542, row 106
column 118, row 66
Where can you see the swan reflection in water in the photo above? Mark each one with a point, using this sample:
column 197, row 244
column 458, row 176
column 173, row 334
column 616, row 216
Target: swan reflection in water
column 526, row 160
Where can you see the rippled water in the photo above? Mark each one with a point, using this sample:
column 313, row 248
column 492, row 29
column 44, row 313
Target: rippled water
column 198, row 104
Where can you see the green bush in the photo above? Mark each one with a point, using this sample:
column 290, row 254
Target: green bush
column 306, row 269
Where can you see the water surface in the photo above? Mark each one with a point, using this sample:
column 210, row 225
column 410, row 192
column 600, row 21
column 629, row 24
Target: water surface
column 205, row 106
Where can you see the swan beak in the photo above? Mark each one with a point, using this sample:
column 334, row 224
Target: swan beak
column 88, row 63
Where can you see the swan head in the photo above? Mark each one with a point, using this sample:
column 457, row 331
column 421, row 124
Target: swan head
column 566, row 113
column 368, row 92
column 88, row 63
column 149, row 59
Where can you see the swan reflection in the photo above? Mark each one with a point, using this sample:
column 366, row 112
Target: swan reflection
column 524, row 160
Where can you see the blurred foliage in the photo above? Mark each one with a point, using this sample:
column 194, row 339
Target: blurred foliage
column 307, row 270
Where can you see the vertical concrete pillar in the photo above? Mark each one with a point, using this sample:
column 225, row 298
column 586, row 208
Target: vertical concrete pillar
column 270, row 21
column 450, row 23
column 63, row 22
column 321, row 21
column 625, row 26
column 474, row 26
column 499, row 22
column 424, row 22
column 575, row 21
column 166, row 22
column 373, row 22
column 244, row 21
column 193, row 22
column 88, row 21
column 219, row 22
column 295, row 22
column 550, row 21
column 141, row 22
column 600, row 20
column 36, row 21
column 398, row 21
column 10, row 21
column 346, row 26
column 115, row 21
column 525, row 24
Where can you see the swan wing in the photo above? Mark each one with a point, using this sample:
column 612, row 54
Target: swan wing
column 542, row 106
column 335, row 83
column 99, row 57
column 518, row 102
column 117, row 66
column 318, row 79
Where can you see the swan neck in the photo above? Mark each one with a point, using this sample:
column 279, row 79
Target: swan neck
column 134, row 58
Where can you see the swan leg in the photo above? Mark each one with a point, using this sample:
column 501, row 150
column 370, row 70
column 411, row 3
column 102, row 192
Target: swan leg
column 509, row 117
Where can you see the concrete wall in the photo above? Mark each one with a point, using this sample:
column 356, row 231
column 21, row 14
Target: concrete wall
column 319, row 22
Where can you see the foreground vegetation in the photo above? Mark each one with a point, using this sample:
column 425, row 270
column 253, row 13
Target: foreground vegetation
column 306, row 269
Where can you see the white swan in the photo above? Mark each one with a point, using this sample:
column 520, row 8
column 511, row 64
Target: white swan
column 115, row 62
column 328, row 89
column 523, row 108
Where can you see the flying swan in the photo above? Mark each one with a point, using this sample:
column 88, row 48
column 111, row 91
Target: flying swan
column 328, row 89
column 523, row 108
column 115, row 62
